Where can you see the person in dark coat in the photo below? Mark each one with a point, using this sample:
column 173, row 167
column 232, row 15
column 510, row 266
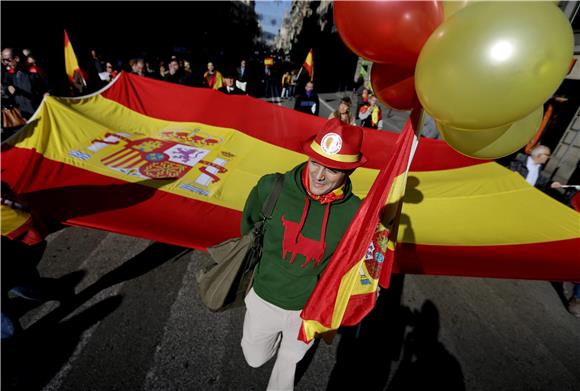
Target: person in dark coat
column 229, row 86
column 24, row 88
column 308, row 101
column 242, row 72
column 177, row 75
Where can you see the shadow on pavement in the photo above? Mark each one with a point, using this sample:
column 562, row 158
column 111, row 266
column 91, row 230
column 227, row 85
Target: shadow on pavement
column 365, row 352
column 426, row 363
column 34, row 357
column 152, row 257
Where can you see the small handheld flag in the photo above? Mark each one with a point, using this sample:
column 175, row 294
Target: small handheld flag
column 309, row 64
column 71, row 64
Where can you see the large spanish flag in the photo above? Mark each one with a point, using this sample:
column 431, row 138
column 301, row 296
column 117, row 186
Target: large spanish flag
column 156, row 160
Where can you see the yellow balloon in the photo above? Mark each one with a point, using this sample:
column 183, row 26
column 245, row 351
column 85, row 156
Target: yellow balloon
column 492, row 63
column 493, row 143
column 452, row 6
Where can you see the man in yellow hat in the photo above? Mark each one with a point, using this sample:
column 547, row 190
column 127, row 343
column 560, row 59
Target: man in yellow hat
column 313, row 211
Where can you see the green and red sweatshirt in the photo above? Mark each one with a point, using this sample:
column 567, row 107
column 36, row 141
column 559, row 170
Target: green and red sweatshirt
column 299, row 239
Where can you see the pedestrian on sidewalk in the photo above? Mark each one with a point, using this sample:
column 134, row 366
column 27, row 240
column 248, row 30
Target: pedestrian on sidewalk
column 286, row 78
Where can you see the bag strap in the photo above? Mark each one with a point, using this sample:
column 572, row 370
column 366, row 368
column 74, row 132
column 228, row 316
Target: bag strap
column 270, row 203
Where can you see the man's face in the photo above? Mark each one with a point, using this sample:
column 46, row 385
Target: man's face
column 309, row 87
column 229, row 81
column 543, row 157
column 373, row 100
column 210, row 67
column 243, row 63
column 7, row 57
column 322, row 179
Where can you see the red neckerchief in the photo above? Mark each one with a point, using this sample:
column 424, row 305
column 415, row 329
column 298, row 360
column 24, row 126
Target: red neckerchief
column 336, row 194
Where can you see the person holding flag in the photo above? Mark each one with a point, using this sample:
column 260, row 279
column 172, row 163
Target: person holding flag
column 362, row 262
column 314, row 210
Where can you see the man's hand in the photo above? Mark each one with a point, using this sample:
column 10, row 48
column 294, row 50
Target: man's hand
column 12, row 90
column 556, row 185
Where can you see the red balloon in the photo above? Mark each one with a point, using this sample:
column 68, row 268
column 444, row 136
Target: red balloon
column 387, row 31
column 394, row 85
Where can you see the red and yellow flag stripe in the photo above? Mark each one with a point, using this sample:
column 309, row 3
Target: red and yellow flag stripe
column 461, row 216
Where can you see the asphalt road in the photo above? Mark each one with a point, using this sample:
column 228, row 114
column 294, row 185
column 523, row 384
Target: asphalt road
column 132, row 320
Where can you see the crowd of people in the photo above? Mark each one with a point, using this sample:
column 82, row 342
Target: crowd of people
column 179, row 70
column 24, row 83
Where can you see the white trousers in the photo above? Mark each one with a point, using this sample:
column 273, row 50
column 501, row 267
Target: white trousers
column 267, row 329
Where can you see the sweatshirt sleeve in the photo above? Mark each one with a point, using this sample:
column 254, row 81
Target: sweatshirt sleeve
column 253, row 207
